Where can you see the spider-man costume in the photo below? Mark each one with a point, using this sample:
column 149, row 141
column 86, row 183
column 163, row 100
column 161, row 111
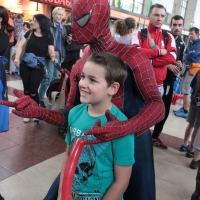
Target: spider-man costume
column 139, row 99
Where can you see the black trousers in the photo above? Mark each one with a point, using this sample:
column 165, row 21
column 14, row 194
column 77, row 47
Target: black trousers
column 31, row 79
column 167, row 99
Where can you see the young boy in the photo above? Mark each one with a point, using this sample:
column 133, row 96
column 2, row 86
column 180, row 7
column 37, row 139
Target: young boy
column 103, row 170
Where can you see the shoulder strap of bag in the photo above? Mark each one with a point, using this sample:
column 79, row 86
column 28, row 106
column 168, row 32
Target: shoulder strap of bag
column 143, row 35
column 29, row 35
column 165, row 36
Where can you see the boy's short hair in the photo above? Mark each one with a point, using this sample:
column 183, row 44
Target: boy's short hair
column 113, row 64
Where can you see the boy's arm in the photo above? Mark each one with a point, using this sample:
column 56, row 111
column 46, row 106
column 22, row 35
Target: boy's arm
column 64, row 163
column 122, row 176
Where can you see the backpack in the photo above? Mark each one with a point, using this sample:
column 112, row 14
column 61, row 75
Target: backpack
column 144, row 35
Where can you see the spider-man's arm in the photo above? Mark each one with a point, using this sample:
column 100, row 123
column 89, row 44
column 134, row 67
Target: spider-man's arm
column 154, row 110
column 151, row 114
column 26, row 107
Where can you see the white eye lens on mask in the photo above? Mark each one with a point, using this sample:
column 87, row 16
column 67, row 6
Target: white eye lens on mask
column 82, row 21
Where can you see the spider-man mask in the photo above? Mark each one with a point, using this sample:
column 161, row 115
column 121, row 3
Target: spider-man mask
column 90, row 20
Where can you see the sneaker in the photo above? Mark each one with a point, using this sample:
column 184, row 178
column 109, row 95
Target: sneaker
column 181, row 114
column 41, row 103
column 179, row 110
column 159, row 143
column 194, row 164
column 190, row 154
column 35, row 120
column 184, row 148
column 26, row 120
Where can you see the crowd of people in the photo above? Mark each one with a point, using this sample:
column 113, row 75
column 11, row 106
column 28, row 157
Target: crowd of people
column 105, row 105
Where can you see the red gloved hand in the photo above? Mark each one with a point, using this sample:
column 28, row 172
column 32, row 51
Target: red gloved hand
column 113, row 129
column 26, row 107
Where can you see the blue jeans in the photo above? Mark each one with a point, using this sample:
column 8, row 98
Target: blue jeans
column 53, row 74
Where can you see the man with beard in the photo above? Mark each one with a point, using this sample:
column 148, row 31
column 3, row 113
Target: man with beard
column 176, row 26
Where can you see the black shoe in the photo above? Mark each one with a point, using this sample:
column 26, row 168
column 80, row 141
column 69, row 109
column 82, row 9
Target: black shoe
column 195, row 197
column 1, row 198
column 184, row 148
column 42, row 104
column 189, row 154
column 194, row 164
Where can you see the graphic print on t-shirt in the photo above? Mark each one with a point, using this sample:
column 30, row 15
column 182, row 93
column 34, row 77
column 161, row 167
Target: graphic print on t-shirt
column 86, row 164
column 84, row 168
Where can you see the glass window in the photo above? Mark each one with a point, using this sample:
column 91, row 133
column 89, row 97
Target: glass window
column 127, row 5
column 135, row 6
column 184, row 4
column 140, row 26
column 139, row 1
column 183, row 8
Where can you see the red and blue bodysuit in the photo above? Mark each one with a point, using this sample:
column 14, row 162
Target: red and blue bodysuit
column 139, row 99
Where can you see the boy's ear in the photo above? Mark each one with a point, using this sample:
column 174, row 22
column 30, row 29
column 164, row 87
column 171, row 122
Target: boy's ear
column 114, row 88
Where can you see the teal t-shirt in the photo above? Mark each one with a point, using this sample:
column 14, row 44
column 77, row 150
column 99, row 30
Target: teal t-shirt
column 95, row 169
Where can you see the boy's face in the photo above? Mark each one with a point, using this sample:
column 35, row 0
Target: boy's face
column 93, row 86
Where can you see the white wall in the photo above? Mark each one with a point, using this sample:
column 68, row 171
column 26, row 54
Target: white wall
column 196, row 15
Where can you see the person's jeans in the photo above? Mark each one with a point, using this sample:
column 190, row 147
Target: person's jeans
column 53, row 74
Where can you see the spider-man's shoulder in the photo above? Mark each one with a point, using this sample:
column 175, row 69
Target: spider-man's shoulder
column 131, row 55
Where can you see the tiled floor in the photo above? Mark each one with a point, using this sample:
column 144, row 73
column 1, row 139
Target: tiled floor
column 31, row 157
